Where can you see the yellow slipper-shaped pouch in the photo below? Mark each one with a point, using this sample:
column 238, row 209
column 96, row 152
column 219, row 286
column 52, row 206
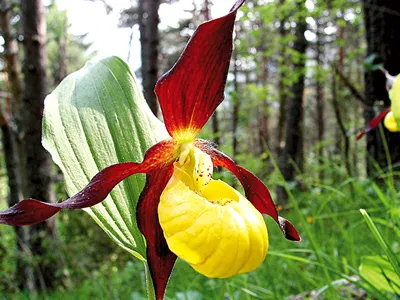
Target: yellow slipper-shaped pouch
column 209, row 224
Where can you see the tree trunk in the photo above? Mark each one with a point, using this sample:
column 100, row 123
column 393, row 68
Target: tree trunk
column 381, row 22
column 206, row 10
column 12, row 162
column 38, row 162
column 263, row 120
column 149, row 41
column 342, row 128
column 281, row 86
column 320, row 102
column 215, row 121
column 262, row 80
column 292, row 153
column 10, row 120
column 61, row 70
column 10, row 56
column 235, row 100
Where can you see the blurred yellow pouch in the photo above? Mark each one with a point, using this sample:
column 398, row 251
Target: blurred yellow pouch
column 394, row 95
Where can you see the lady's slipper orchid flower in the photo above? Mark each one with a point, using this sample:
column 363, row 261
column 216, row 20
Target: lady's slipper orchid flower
column 182, row 211
column 391, row 115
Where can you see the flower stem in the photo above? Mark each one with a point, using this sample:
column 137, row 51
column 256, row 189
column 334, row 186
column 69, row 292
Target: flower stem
column 149, row 283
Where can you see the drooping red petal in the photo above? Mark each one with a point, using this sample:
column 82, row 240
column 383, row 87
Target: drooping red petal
column 31, row 211
column 160, row 259
column 191, row 91
column 373, row 123
column 256, row 192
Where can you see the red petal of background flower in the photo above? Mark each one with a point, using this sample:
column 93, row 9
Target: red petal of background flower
column 160, row 259
column 256, row 192
column 373, row 123
column 191, row 91
column 30, row 211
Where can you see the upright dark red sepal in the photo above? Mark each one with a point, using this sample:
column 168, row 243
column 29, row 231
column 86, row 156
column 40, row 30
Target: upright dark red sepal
column 256, row 192
column 191, row 91
column 160, row 259
column 374, row 123
column 31, row 211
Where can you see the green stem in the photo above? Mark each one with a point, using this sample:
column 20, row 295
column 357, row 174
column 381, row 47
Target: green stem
column 149, row 283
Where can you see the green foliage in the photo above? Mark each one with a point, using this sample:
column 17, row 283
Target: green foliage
column 385, row 246
column 57, row 34
column 380, row 273
column 370, row 65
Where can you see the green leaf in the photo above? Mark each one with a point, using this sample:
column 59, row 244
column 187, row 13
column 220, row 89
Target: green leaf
column 378, row 237
column 379, row 272
column 369, row 63
column 97, row 117
column 394, row 95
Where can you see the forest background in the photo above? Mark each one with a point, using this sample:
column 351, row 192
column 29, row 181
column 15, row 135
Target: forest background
column 305, row 78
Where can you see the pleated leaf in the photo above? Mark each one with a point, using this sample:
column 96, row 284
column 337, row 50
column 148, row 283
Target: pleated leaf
column 95, row 118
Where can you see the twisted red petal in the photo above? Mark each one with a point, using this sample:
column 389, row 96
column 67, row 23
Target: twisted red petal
column 30, row 211
column 160, row 259
column 373, row 123
column 256, row 192
column 191, row 91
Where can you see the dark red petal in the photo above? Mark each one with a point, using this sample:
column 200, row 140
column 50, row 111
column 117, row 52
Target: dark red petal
column 191, row 91
column 361, row 135
column 160, row 259
column 30, row 211
column 373, row 123
column 256, row 192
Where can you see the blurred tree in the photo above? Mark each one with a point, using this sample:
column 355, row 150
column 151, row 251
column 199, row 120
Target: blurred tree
column 343, row 139
column 382, row 20
column 292, row 153
column 235, row 99
column 10, row 111
column 262, row 26
column 59, row 34
column 66, row 52
column 11, row 108
column 282, row 17
column 215, row 121
column 38, row 162
column 319, row 95
column 145, row 13
column 149, row 40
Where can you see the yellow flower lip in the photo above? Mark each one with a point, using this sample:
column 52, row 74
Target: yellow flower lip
column 207, row 223
column 218, row 192
column 390, row 122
